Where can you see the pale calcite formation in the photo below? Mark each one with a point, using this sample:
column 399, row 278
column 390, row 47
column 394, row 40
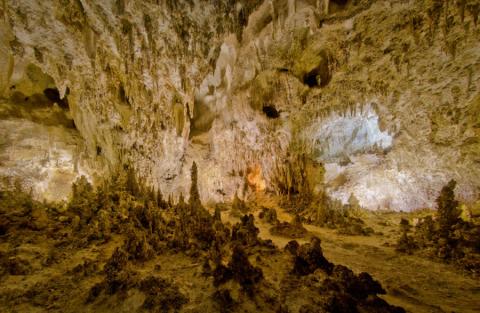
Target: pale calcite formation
column 385, row 93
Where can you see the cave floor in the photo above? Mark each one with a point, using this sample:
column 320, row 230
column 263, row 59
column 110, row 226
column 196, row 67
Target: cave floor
column 414, row 282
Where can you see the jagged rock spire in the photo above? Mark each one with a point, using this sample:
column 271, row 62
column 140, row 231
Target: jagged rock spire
column 194, row 194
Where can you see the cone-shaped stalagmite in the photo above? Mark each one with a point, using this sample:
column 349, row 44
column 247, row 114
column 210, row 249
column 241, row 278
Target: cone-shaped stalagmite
column 194, row 194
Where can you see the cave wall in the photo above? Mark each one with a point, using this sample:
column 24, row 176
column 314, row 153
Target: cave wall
column 381, row 92
column 130, row 69
column 239, row 85
column 40, row 147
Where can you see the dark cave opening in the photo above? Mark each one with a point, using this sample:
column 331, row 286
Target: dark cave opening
column 318, row 77
column 123, row 96
column 270, row 111
column 339, row 5
column 340, row 2
column 53, row 95
column 310, row 79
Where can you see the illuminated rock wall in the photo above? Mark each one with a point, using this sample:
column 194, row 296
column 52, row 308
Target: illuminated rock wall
column 385, row 92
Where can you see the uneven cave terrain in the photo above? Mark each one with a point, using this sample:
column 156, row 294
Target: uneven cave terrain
column 240, row 156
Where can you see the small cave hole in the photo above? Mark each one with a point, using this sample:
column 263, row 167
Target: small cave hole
column 123, row 95
column 340, row 2
column 270, row 111
column 313, row 79
column 99, row 150
column 338, row 5
column 310, row 79
column 53, row 95
column 3, row 229
column 317, row 77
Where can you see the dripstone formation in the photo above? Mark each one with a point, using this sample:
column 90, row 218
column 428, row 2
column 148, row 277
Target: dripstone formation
column 143, row 235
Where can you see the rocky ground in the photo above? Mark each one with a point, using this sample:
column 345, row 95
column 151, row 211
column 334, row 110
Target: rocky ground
column 417, row 282
column 123, row 248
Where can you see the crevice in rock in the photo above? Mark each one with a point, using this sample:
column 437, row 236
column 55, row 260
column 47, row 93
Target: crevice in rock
column 122, row 95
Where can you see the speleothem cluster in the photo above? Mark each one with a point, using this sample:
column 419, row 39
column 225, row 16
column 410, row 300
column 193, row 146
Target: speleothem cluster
column 445, row 236
column 139, row 229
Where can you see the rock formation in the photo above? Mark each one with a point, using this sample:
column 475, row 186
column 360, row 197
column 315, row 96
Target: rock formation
column 158, row 155
column 381, row 87
column 124, row 278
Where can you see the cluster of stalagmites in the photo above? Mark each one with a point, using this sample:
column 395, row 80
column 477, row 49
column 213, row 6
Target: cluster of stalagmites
column 151, row 227
column 446, row 235
column 294, row 229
